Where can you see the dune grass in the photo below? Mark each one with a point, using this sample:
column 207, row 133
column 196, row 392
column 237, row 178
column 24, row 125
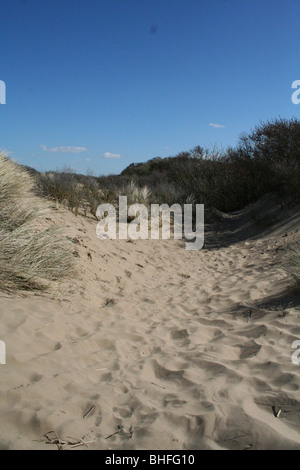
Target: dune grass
column 77, row 192
column 30, row 255
column 137, row 195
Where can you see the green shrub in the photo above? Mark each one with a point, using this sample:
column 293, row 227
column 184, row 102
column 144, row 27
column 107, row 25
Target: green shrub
column 267, row 159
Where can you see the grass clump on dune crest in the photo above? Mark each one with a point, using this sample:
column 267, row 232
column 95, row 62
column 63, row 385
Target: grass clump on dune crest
column 137, row 195
column 80, row 193
column 30, row 255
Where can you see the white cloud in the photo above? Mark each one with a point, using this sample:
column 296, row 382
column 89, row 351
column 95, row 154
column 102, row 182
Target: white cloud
column 111, row 155
column 64, row 149
column 216, row 126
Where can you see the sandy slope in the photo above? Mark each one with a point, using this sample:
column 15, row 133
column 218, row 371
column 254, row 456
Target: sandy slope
column 182, row 350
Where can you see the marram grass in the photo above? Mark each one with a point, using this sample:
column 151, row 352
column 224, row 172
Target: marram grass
column 30, row 255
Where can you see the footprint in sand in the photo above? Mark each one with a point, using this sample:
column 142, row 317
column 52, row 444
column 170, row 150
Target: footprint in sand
column 36, row 378
column 179, row 334
column 250, row 349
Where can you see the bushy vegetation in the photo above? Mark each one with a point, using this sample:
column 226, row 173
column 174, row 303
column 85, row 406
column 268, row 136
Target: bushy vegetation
column 76, row 191
column 29, row 254
column 265, row 160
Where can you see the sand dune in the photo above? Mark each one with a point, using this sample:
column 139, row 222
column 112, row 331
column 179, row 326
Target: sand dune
column 167, row 348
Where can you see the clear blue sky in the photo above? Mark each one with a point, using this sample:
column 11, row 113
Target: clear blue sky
column 102, row 83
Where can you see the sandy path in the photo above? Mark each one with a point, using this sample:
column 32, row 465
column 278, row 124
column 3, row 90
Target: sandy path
column 183, row 350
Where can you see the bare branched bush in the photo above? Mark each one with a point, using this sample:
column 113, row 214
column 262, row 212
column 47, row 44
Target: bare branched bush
column 267, row 159
column 77, row 192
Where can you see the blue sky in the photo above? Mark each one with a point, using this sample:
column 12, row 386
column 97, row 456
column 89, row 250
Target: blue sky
column 99, row 84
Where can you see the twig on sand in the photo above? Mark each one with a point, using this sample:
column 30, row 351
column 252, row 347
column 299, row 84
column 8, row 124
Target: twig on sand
column 70, row 443
column 88, row 412
column 117, row 432
column 276, row 413
column 158, row 385
column 121, row 430
column 80, row 442
column 130, row 432
column 236, row 437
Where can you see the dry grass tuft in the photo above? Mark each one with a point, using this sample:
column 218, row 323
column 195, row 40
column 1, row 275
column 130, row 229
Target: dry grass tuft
column 136, row 195
column 30, row 255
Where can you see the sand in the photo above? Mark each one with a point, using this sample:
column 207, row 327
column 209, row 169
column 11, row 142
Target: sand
column 151, row 346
